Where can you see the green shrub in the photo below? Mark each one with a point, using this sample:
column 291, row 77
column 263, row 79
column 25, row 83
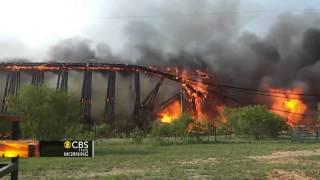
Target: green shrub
column 160, row 129
column 255, row 121
column 137, row 136
column 225, row 129
column 179, row 127
column 103, row 131
column 46, row 114
column 80, row 132
column 162, row 132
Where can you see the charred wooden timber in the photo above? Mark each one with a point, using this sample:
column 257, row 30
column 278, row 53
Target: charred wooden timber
column 102, row 67
column 37, row 78
column 62, row 82
column 110, row 99
column 86, row 95
column 12, row 87
column 136, row 111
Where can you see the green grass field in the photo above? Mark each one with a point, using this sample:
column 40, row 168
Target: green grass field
column 120, row 159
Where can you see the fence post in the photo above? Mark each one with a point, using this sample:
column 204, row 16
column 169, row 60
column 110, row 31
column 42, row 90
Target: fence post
column 15, row 135
column 15, row 160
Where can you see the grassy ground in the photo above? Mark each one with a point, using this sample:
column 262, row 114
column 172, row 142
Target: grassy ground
column 120, row 159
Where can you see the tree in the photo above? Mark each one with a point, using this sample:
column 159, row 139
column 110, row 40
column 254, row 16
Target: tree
column 256, row 121
column 45, row 113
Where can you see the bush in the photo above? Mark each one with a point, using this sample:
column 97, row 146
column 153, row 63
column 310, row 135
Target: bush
column 201, row 128
column 160, row 129
column 178, row 128
column 137, row 136
column 161, row 132
column 46, row 114
column 224, row 128
column 103, row 130
column 255, row 121
column 80, row 132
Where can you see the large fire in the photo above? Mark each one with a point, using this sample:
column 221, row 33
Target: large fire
column 195, row 92
column 290, row 103
column 285, row 102
column 170, row 112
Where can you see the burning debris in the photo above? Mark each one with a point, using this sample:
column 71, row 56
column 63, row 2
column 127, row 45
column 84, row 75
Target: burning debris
column 195, row 92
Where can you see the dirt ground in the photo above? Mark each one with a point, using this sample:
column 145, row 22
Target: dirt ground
column 288, row 157
column 278, row 174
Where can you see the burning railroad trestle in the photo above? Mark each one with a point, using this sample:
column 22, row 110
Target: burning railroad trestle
column 141, row 106
column 197, row 87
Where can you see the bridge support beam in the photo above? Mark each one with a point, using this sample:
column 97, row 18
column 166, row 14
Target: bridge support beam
column 149, row 102
column 109, row 114
column 12, row 87
column 136, row 110
column 182, row 102
column 37, row 78
column 86, row 95
column 62, row 82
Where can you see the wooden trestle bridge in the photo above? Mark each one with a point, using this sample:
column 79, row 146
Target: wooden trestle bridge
column 37, row 70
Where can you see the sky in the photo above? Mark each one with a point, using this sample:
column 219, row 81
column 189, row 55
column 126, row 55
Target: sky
column 29, row 28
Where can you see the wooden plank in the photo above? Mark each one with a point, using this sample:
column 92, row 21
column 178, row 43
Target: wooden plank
column 6, row 169
column 12, row 118
column 5, row 135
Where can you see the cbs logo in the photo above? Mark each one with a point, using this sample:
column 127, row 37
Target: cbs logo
column 76, row 144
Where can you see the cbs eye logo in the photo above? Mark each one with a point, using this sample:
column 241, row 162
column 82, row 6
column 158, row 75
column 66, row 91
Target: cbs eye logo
column 76, row 144
column 67, row 144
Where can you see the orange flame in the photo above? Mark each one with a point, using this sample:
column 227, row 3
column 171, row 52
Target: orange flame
column 220, row 109
column 196, row 92
column 171, row 112
column 289, row 102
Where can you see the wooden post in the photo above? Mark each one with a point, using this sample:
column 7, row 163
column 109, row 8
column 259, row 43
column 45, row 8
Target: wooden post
column 62, row 81
column 110, row 100
column 86, row 95
column 15, row 160
column 15, row 134
column 182, row 102
column 12, row 87
column 37, row 78
column 136, row 111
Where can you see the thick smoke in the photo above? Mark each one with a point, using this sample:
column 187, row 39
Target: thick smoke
column 286, row 56
column 72, row 50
